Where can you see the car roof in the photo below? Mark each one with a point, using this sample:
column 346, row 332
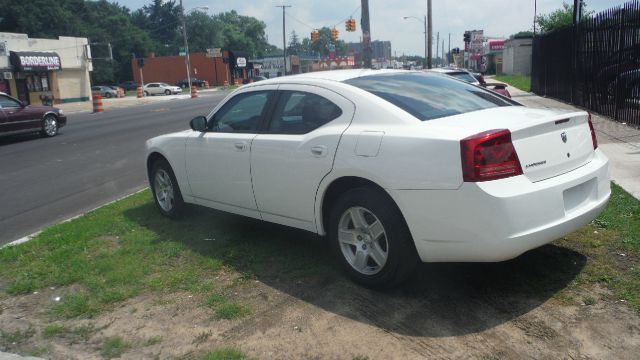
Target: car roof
column 332, row 75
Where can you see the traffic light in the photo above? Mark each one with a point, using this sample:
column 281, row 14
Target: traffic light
column 350, row 24
column 467, row 36
column 334, row 34
column 315, row 36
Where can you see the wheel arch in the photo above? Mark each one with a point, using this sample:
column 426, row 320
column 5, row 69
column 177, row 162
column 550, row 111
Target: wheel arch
column 151, row 159
column 332, row 191
column 52, row 113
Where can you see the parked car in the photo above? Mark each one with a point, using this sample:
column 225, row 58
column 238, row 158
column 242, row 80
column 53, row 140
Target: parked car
column 475, row 79
column 394, row 167
column 106, row 91
column 16, row 117
column 129, row 85
column 160, row 88
column 184, row 83
column 460, row 74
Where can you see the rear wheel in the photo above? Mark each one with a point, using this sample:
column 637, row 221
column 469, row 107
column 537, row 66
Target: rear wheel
column 370, row 238
column 146, row 93
column 108, row 95
column 167, row 92
column 49, row 126
column 166, row 192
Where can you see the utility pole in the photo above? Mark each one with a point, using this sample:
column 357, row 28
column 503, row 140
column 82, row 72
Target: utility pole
column 186, row 45
column 426, row 45
column 284, row 40
column 366, row 34
column 442, row 52
column 437, row 46
column 430, row 33
column 449, row 52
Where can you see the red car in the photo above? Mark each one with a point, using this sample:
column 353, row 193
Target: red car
column 16, row 117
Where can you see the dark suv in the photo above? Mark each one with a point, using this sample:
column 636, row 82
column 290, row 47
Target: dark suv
column 184, row 83
column 16, row 118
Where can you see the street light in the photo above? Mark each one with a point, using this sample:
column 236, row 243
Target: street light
column 425, row 36
column 186, row 44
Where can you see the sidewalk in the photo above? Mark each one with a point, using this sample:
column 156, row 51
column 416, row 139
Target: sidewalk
column 116, row 103
column 621, row 143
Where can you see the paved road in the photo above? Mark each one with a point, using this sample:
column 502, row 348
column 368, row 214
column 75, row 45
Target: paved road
column 94, row 160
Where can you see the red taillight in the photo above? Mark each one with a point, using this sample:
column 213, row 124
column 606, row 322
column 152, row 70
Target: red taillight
column 489, row 155
column 593, row 134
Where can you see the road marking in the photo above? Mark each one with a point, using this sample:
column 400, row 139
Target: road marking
column 24, row 239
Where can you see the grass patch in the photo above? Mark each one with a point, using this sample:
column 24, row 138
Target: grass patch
column 522, row 82
column 114, row 347
column 16, row 337
column 227, row 353
column 127, row 248
column 611, row 244
column 152, row 341
column 54, row 330
column 230, row 311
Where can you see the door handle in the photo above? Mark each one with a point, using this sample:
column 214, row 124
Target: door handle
column 241, row 145
column 319, row 151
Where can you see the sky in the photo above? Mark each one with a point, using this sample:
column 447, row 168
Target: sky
column 498, row 18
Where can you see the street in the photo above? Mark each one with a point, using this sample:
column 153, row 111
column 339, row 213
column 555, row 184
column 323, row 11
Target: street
column 95, row 159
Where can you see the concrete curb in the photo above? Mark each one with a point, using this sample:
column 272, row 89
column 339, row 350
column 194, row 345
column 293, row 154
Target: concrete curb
column 8, row 356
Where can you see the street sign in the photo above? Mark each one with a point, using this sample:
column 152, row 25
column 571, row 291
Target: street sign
column 241, row 62
column 181, row 52
column 477, row 38
column 214, row 53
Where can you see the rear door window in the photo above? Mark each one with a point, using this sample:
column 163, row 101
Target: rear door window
column 300, row 112
column 429, row 96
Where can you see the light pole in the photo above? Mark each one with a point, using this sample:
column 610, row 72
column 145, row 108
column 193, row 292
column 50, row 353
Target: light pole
column 186, row 44
column 426, row 61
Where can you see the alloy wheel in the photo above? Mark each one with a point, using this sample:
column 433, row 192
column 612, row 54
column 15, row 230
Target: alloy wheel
column 163, row 189
column 363, row 240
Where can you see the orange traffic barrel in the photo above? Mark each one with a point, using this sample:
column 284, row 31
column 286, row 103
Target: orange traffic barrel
column 226, row 84
column 237, row 82
column 194, row 91
column 139, row 92
column 97, row 103
column 206, row 84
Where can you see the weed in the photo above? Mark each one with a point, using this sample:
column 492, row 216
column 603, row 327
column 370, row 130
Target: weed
column 227, row 353
column 114, row 347
column 229, row 311
column 54, row 330
column 16, row 337
column 589, row 300
column 153, row 340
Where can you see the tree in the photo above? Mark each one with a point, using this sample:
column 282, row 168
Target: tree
column 295, row 46
column 559, row 18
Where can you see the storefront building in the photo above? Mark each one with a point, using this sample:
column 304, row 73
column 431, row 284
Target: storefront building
column 39, row 71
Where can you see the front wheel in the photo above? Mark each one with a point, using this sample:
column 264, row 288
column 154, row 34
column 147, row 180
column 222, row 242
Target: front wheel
column 108, row 95
column 49, row 126
column 166, row 192
column 371, row 239
column 167, row 92
column 146, row 93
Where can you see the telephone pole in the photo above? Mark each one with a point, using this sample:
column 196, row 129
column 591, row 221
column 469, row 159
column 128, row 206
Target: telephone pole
column 437, row 46
column 366, row 34
column 430, row 31
column 284, row 40
column 449, row 52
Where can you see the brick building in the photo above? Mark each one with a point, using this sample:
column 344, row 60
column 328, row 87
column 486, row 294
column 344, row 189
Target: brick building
column 171, row 69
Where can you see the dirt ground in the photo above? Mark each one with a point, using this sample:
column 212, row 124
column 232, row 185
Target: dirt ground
column 448, row 311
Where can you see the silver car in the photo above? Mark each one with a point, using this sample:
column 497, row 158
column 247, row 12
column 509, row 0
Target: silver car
column 105, row 91
column 161, row 88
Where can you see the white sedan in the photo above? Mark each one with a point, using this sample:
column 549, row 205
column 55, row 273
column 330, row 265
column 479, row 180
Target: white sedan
column 160, row 88
column 394, row 167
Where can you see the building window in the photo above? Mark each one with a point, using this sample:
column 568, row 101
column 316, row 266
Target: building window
column 37, row 82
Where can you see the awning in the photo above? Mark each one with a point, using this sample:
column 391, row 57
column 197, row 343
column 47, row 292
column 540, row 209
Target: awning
column 34, row 61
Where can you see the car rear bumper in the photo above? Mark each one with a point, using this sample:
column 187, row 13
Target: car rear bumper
column 499, row 220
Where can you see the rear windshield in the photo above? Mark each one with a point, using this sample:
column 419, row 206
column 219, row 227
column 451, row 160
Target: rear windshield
column 429, row 96
column 464, row 76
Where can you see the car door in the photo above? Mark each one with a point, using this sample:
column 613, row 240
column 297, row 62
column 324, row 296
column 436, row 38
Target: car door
column 153, row 89
column 296, row 151
column 18, row 117
column 218, row 161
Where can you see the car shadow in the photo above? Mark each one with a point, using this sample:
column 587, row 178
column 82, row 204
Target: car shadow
column 441, row 299
column 13, row 139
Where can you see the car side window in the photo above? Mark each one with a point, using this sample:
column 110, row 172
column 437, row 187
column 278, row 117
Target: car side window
column 300, row 112
column 242, row 113
column 6, row 102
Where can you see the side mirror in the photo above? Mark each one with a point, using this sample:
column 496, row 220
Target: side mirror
column 199, row 123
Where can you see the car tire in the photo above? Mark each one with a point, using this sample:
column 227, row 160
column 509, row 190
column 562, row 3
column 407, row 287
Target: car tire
column 370, row 238
column 165, row 190
column 108, row 95
column 167, row 92
column 50, row 126
column 146, row 93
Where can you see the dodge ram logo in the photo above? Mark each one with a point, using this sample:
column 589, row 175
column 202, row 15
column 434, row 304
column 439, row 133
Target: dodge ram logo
column 563, row 136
